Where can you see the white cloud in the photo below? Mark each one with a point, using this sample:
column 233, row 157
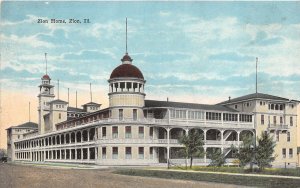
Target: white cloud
column 25, row 41
column 164, row 13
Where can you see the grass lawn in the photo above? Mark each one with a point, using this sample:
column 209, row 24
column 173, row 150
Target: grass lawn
column 270, row 171
column 70, row 165
column 217, row 178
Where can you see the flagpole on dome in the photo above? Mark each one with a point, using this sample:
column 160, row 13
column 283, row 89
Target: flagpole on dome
column 126, row 37
column 46, row 63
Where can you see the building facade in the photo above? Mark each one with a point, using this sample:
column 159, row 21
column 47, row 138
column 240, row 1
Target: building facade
column 136, row 131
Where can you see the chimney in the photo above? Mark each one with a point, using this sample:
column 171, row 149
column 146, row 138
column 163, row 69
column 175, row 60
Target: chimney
column 167, row 99
column 229, row 98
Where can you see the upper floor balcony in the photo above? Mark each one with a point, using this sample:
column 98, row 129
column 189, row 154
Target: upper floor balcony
column 202, row 123
column 280, row 127
column 163, row 122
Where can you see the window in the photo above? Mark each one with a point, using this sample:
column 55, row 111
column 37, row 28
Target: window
column 288, row 136
column 281, row 120
column 213, row 116
column 115, row 153
column 141, row 132
column 115, row 132
column 128, row 152
column 195, row 115
column 103, row 132
column 134, row 114
column 151, row 132
column 104, row 153
column 127, row 132
column 245, row 118
column 262, row 119
column 59, row 116
column 283, row 153
column 141, row 152
column 235, row 106
column 274, row 120
column 281, row 107
column 261, row 103
column 180, row 114
column 291, row 121
column 277, row 136
column 120, row 114
column 291, row 153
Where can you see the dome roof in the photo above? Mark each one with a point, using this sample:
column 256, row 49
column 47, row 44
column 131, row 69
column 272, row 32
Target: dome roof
column 46, row 77
column 126, row 70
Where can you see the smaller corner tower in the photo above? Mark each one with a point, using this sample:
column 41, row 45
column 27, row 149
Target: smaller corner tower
column 45, row 96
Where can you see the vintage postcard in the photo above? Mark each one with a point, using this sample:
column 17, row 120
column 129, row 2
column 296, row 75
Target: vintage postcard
column 150, row 94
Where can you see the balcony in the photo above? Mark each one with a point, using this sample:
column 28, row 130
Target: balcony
column 153, row 121
column 202, row 123
column 164, row 142
column 136, row 141
column 279, row 127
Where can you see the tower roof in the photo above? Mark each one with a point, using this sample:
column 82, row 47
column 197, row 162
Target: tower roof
column 46, row 77
column 126, row 70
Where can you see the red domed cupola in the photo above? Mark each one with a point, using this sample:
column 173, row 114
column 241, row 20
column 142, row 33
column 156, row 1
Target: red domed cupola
column 126, row 70
column 46, row 77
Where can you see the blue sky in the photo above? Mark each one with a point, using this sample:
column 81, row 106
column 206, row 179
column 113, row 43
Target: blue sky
column 187, row 51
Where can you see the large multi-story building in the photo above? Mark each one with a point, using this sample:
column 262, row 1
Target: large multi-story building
column 135, row 131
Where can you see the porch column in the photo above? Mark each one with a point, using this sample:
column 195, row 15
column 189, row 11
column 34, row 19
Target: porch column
column 238, row 138
column 187, row 131
column 222, row 141
column 96, row 153
column 222, row 118
column 222, row 137
column 168, row 145
column 169, row 115
column 44, row 154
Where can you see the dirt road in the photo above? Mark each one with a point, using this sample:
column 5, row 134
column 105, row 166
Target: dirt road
column 12, row 176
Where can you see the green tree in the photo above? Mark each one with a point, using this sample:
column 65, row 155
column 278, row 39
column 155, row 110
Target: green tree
column 246, row 152
column 264, row 154
column 217, row 157
column 3, row 153
column 193, row 145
